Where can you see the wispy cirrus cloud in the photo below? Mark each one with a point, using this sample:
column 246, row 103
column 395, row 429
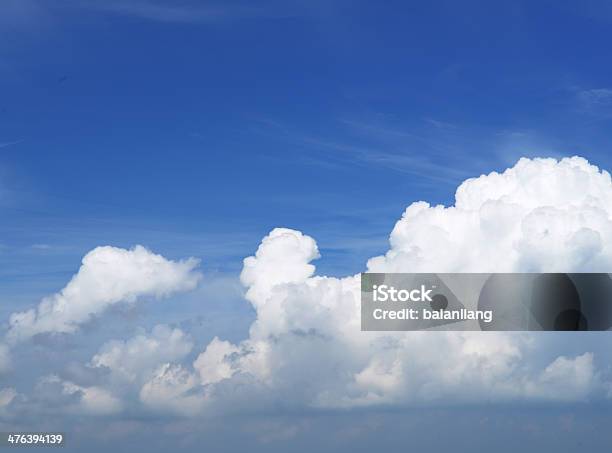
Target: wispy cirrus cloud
column 595, row 100
column 30, row 13
column 190, row 11
column 11, row 143
column 165, row 11
column 441, row 153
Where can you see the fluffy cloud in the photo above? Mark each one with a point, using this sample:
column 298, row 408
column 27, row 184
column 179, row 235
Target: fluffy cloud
column 140, row 355
column 93, row 400
column 282, row 257
column 212, row 365
column 173, row 389
column 306, row 347
column 567, row 379
column 121, row 373
column 542, row 215
column 78, row 399
column 108, row 275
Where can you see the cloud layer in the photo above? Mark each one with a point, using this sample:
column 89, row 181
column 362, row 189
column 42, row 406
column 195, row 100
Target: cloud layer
column 305, row 349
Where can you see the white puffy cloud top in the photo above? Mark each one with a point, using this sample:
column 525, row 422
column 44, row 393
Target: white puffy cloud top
column 541, row 215
column 108, row 275
column 282, row 257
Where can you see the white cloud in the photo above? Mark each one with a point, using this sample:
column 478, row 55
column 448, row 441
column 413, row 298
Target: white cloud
column 306, row 350
column 139, row 356
column 173, row 389
column 306, row 347
column 282, row 257
column 541, row 215
column 94, row 400
column 567, row 379
column 86, row 400
column 108, row 275
column 213, row 364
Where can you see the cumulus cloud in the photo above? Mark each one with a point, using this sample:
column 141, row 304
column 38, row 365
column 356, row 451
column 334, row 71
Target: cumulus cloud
column 140, row 355
column 212, row 365
column 567, row 379
column 173, row 389
column 78, row 399
column 306, row 347
column 116, row 375
column 282, row 257
column 542, row 215
column 107, row 276
column 93, row 400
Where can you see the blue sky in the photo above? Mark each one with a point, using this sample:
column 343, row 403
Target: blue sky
column 195, row 127
column 308, row 114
